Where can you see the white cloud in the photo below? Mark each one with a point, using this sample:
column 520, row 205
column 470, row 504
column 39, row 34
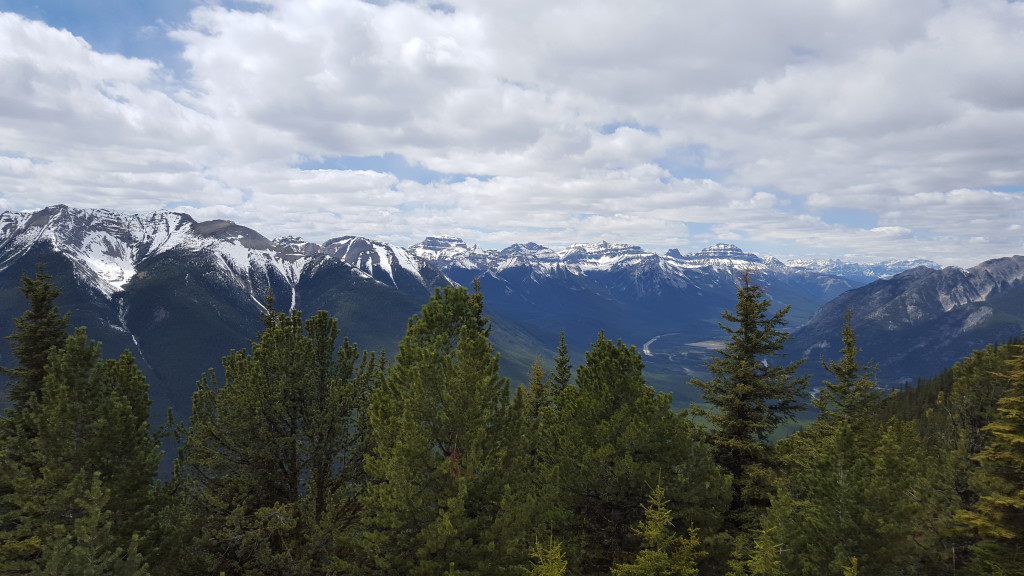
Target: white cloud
column 660, row 124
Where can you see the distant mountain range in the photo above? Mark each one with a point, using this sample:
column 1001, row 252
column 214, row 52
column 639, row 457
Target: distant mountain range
column 923, row 320
column 865, row 273
column 180, row 294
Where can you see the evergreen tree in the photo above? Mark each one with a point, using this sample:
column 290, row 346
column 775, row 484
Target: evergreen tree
column 272, row 462
column 956, row 421
column 749, row 396
column 538, row 395
column 617, row 438
column 88, row 547
column 997, row 519
column 441, row 497
column 534, row 456
column 549, row 559
column 853, row 493
column 854, row 392
column 562, row 375
column 40, row 328
column 90, row 436
column 884, row 501
column 664, row 552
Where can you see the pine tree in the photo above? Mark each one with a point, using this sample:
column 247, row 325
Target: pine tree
column 439, row 466
column 748, row 398
column 617, row 438
column 88, row 547
column 997, row 519
column 272, row 462
column 90, row 434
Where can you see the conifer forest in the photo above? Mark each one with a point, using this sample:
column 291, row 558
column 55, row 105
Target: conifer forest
column 305, row 455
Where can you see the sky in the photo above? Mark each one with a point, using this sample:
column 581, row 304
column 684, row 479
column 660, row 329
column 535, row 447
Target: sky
column 861, row 130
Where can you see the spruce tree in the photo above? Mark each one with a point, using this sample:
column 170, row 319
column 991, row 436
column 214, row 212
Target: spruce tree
column 874, row 493
column 538, row 395
column 40, row 328
column 664, row 553
column 997, row 519
column 548, row 559
column 854, row 392
column 750, row 395
column 562, row 375
column 271, row 468
column 438, row 500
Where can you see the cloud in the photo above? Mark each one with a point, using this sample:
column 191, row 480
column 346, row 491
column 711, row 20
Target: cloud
column 652, row 123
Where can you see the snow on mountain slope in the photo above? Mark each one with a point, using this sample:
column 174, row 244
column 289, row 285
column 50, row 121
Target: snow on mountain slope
column 451, row 252
column 448, row 251
column 109, row 246
column 864, row 272
column 722, row 256
column 392, row 265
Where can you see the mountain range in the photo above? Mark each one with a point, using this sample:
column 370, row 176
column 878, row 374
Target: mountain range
column 180, row 294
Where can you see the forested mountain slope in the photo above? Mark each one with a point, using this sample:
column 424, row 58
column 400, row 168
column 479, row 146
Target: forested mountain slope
column 921, row 321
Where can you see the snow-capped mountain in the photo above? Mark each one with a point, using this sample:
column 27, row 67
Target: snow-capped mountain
column 662, row 303
column 450, row 252
column 108, row 247
column 107, row 244
column 626, row 270
column 388, row 264
column 180, row 294
column 724, row 256
column 865, row 273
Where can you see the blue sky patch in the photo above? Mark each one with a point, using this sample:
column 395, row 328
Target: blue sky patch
column 388, row 163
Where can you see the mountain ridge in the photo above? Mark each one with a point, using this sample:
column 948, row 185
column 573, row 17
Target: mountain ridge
column 180, row 293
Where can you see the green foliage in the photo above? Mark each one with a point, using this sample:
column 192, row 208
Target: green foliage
column 89, row 435
column 538, row 395
column 88, row 547
column 875, row 494
column 664, row 552
column 617, row 438
column 997, row 519
column 39, row 329
column 442, row 493
column 750, row 395
column 853, row 394
column 548, row 559
column 854, row 494
column 272, row 467
column 562, row 375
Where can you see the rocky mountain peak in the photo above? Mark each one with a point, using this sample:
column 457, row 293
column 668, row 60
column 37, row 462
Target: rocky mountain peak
column 439, row 243
column 719, row 255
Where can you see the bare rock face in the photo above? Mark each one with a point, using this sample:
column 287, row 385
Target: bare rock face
column 923, row 320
